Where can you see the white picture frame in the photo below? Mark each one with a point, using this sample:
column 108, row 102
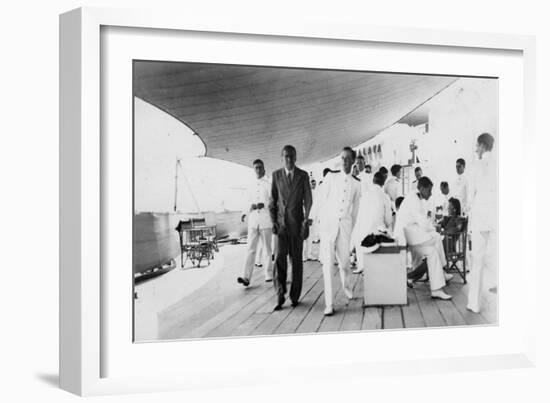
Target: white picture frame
column 82, row 187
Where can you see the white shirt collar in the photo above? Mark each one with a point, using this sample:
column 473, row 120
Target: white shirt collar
column 290, row 171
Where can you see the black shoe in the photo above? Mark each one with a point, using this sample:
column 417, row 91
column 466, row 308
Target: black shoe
column 295, row 304
column 278, row 307
column 243, row 281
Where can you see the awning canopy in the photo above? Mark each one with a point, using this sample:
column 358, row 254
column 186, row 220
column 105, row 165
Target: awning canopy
column 244, row 112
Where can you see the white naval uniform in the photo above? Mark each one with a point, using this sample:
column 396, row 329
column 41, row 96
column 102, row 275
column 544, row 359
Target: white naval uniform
column 460, row 190
column 311, row 244
column 393, row 188
column 340, row 209
column 413, row 228
column 366, row 181
column 483, row 225
column 259, row 227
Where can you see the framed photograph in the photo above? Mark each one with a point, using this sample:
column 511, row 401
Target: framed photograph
column 239, row 195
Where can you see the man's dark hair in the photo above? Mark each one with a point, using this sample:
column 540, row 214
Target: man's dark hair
column 398, row 202
column 368, row 166
column 456, row 205
column 444, row 184
column 351, row 150
column 424, row 182
column 360, row 156
column 378, row 179
column 288, row 148
column 487, row 140
column 461, row 161
column 395, row 169
column 258, row 161
column 417, row 169
column 383, row 170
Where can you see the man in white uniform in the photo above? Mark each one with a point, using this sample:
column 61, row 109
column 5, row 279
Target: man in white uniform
column 374, row 213
column 483, row 222
column 311, row 244
column 441, row 202
column 413, row 228
column 340, row 209
column 460, row 189
column 393, row 184
column 365, row 175
column 259, row 225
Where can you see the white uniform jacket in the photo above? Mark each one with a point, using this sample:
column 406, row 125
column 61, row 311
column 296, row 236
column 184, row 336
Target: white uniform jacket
column 258, row 191
column 342, row 193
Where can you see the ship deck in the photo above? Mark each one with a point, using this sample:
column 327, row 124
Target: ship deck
column 219, row 307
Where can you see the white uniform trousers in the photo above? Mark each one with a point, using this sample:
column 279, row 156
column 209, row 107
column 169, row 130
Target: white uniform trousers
column 254, row 236
column 338, row 248
column 483, row 269
column 434, row 253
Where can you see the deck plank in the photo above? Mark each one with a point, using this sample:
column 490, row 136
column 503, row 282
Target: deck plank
column 430, row 312
column 315, row 316
column 340, row 303
column 392, row 317
column 460, row 301
column 353, row 316
column 275, row 319
column 372, row 318
column 221, row 308
column 412, row 316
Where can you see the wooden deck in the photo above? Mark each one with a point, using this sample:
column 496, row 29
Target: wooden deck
column 223, row 308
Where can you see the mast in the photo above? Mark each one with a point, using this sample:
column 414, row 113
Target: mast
column 176, row 186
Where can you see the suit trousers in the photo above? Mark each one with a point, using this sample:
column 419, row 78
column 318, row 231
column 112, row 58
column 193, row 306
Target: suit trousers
column 288, row 245
column 483, row 273
column 338, row 248
column 254, row 236
column 433, row 251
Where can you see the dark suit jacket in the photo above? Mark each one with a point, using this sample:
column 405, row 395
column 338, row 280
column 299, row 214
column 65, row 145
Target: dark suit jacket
column 290, row 201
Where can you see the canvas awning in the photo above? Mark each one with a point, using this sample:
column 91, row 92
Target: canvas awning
column 243, row 112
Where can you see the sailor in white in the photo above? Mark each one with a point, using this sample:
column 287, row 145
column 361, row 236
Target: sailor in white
column 311, row 244
column 483, row 223
column 460, row 189
column 365, row 175
column 413, row 228
column 441, row 200
column 259, row 224
column 393, row 185
column 340, row 209
column 375, row 214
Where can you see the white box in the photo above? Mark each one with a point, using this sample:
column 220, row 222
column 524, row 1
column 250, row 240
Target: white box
column 385, row 277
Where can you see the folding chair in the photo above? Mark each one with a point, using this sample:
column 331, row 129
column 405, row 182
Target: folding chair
column 456, row 248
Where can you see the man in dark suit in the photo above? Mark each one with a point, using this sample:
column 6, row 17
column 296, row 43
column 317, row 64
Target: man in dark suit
column 289, row 209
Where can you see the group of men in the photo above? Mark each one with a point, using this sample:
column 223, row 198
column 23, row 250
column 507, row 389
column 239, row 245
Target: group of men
column 349, row 207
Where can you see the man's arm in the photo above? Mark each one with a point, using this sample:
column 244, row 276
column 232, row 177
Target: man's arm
column 273, row 202
column 308, row 200
column 388, row 213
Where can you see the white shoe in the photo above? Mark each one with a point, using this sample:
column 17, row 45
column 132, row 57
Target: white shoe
column 348, row 293
column 329, row 311
column 440, row 294
column 357, row 271
column 448, row 277
column 468, row 307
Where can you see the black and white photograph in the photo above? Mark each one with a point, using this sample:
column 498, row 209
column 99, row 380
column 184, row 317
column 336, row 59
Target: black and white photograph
column 270, row 200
